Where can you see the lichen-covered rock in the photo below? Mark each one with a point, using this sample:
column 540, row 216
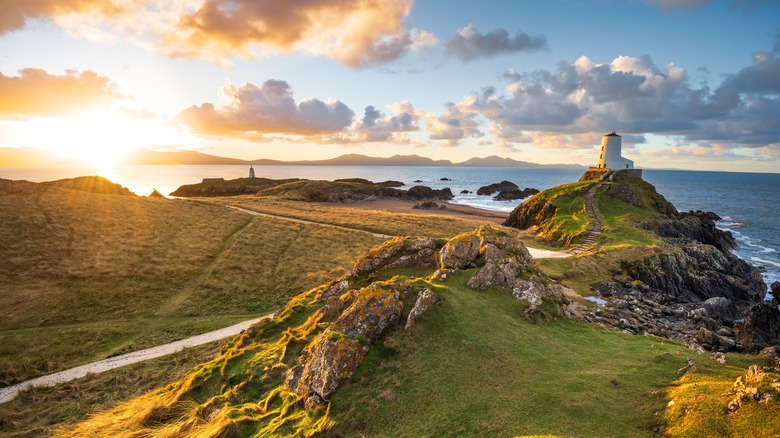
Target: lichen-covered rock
column 396, row 253
column 425, row 300
column 460, row 251
column 751, row 387
column 335, row 289
column 760, row 328
column 325, row 365
column 374, row 309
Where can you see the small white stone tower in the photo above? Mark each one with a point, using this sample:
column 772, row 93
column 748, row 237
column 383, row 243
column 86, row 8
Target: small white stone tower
column 251, row 171
column 611, row 153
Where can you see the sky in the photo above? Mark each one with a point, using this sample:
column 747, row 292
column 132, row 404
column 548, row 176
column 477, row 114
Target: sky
column 691, row 84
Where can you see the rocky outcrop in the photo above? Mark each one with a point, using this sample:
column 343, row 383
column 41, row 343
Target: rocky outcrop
column 536, row 211
column 505, row 262
column 460, row 252
column 760, row 328
column 511, row 195
column 397, row 253
column 234, row 187
column 90, row 184
column 759, row 384
column 497, row 187
column 691, row 227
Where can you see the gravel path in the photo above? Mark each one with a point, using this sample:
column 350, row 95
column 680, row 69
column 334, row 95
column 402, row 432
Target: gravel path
column 10, row 392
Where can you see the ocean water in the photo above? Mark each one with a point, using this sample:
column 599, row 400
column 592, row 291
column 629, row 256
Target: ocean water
column 749, row 203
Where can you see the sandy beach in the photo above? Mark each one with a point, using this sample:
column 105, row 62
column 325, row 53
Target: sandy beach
column 454, row 210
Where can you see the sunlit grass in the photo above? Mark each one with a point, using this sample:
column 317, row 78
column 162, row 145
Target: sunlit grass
column 374, row 221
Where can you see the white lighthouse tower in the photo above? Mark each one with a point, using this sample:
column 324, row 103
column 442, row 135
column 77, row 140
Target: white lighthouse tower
column 611, row 153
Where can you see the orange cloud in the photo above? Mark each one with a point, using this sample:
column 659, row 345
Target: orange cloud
column 354, row 32
column 35, row 92
column 16, row 13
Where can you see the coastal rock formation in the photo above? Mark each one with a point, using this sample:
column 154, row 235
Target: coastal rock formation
column 240, row 186
column 420, row 193
column 514, row 194
column 497, row 187
column 688, row 286
column 760, row 328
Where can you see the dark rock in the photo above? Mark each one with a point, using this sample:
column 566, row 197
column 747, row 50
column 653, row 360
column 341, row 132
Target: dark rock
column 704, row 214
column 699, row 228
column 429, row 205
column 497, row 187
column 721, row 309
column 511, row 195
column 234, row 187
column 444, row 179
column 391, row 183
column 417, row 181
column 354, row 180
column 759, row 329
column 464, row 192
column 420, row 193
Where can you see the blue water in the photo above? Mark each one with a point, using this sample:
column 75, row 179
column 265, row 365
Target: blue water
column 748, row 202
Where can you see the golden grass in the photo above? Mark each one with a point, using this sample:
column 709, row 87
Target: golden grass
column 375, row 221
column 86, row 276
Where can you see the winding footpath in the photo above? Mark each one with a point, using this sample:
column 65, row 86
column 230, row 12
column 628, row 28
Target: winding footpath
column 592, row 211
column 10, row 392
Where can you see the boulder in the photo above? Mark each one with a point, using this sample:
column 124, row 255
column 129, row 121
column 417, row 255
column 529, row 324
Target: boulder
column 759, row 329
column 397, row 253
column 429, row 205
column 460, row 251
column 324, row 366
column 425, row 300
column 374, row 309
column 464, row 192
column 497, row 187
column 511, row 195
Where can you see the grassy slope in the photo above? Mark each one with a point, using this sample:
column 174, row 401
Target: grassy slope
column 476, row 367
column 87, row 276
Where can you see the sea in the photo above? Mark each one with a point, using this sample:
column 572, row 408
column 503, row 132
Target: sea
column 749, row 203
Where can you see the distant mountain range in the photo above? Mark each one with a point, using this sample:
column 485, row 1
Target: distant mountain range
column 37, row 157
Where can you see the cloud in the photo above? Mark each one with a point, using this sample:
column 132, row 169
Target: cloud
column 35, row 92
column 252, row 110
column 357, row 33
column 452, row 125
column 569, row 107
column 468, row 44
column 376, row 126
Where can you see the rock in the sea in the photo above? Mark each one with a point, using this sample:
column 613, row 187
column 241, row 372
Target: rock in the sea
column 444, row 179
column 429, row 205
column 760, row 328
column 425, row 300
column 464, row 192
column 497, row 187
column 511, row 195
column 426, row 193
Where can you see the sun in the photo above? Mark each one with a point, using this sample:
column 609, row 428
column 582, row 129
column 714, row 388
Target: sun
column 102, row 139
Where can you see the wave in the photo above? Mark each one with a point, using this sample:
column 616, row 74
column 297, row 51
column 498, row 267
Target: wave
column 764, row 261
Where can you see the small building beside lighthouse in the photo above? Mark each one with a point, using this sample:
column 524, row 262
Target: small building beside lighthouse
column 611, row 155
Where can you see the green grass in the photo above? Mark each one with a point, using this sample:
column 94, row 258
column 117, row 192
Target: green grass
column 619, row 224
column 698, row 403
